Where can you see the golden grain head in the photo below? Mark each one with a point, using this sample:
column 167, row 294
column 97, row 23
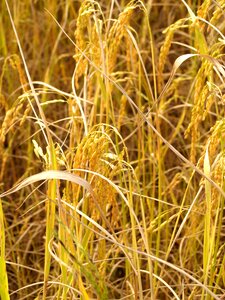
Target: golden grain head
column 164, row 50
column 117, row 33
column 87, row 36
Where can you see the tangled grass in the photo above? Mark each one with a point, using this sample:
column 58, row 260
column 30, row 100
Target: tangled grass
column 112, row 149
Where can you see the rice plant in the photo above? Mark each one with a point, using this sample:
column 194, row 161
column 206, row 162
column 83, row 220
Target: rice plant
column 112, row 149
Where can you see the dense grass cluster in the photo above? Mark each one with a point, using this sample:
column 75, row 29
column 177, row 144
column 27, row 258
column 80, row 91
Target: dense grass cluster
column 112, row 149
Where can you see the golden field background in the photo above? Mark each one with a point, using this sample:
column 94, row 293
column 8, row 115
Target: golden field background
column 112, row 149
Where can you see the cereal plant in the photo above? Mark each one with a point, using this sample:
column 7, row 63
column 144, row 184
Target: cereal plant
column 112, row 150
